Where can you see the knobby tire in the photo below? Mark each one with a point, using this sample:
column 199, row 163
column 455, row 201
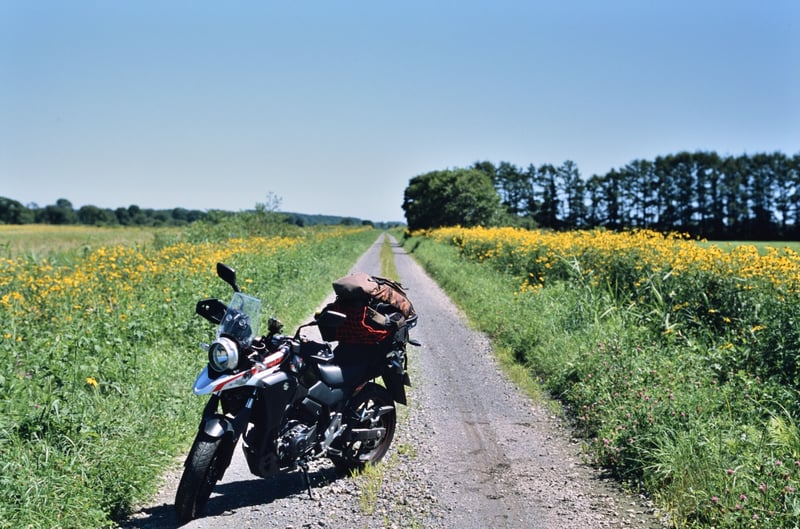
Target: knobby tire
column 199, row 477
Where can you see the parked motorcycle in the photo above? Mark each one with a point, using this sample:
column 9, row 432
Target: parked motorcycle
column 286, row 398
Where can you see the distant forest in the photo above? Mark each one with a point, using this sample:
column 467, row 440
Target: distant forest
column 63, row 213
column 747, row 197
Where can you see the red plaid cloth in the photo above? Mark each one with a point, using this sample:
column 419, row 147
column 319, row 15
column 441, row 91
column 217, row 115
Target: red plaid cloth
column 356, row 330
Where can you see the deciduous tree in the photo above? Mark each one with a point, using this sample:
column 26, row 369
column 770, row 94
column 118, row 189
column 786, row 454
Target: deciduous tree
column 451, row 197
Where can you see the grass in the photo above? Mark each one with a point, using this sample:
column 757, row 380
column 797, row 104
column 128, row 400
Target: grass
column 99, row 351
column 47, row 241
column 670, row 397
column 388, row 267
column 762, row 246
column 370, row 478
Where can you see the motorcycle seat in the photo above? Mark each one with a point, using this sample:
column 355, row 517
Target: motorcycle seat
column 337, row 376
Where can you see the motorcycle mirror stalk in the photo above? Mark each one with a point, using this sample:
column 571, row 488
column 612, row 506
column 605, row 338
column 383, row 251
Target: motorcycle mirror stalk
column 326, row 318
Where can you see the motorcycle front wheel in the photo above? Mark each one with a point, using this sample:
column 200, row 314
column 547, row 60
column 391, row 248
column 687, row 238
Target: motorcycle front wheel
column 367, row 410
column 200, row 475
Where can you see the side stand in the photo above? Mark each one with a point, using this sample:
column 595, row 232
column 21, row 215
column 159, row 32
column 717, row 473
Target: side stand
column 304, row 467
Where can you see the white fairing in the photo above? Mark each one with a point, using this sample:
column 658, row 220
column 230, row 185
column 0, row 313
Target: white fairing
column 204, row 384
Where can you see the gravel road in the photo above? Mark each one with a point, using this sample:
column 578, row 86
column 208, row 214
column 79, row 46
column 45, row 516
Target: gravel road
column 470, row 452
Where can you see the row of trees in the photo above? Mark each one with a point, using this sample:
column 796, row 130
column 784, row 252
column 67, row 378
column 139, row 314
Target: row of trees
column 701, row 193
column 62, row 212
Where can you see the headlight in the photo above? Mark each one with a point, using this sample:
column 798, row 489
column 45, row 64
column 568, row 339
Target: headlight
column 223, row 354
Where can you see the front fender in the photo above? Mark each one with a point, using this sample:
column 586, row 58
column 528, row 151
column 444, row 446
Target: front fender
column 216, row 426
column 216, row 429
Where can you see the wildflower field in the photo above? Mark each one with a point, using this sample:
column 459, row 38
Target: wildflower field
column 99, row 349
column 679, row 361
column 46, row 240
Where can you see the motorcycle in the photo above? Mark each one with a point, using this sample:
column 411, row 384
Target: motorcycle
column 286, row 398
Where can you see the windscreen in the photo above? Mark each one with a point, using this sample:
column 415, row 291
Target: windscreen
column 241, row 319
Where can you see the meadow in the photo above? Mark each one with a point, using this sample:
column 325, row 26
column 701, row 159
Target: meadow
column 677, row 360
column 100, row 345
column 38, row 241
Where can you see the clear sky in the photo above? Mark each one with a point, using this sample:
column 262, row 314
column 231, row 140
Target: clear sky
column 333, row 105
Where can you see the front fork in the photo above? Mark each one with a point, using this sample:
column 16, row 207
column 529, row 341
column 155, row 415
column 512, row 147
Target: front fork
column 228, row 430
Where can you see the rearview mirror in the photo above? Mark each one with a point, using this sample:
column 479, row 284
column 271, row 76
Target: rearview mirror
column 228, row 274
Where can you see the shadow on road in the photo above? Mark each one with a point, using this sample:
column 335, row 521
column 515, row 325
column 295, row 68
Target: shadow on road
column 231, row 496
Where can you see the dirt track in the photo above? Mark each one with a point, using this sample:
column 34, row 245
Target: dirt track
column 471, row 452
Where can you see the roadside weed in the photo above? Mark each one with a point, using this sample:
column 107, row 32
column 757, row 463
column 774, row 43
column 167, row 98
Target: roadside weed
column 677, row 361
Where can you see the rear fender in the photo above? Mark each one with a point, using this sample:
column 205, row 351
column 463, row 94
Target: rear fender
column 395, row 383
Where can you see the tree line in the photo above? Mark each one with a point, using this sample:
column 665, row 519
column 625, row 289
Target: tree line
column 63, row 213
column 755, row 197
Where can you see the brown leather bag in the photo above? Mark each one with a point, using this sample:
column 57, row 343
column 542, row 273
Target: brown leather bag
column 374, row 291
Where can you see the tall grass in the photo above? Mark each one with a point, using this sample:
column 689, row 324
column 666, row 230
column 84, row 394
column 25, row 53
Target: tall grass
column 678, row 366
column 40, row 241
column 99, row 355
column 388, row 267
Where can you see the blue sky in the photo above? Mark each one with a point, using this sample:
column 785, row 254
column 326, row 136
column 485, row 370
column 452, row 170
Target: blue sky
column 334, row 105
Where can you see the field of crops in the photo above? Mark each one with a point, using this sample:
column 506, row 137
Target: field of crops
column 99, row 348
column 679, row 360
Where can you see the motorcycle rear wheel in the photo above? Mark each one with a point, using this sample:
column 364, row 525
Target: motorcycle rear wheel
column 357, row 454
column 200, row 475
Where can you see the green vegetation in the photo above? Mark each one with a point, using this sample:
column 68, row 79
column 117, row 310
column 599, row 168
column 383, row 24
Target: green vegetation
column 388, row 268
column 38, row 241
column 700, row 193
column 763, row 247
column 62, row 213
column 99, row 352
column 454, row 196
column 683, row 385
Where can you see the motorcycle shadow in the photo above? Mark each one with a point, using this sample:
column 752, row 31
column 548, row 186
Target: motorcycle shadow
column 235, row 495
column 230, row 496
